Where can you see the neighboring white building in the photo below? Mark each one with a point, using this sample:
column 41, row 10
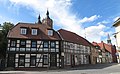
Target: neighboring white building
column 116, row 24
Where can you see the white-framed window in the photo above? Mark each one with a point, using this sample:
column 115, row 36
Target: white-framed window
column 45, row 59
column 13, row 43
column 32, row 60
column 23, row 31
column 34, row 31
column 45, row 45
column 52, row 44
column 33, row 44
column 50, row 32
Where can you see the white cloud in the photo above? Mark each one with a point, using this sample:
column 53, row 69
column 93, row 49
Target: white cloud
column 94, row 33
column 60, row 13
column 90, row 19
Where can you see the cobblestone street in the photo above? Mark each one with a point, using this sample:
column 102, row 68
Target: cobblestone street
column 85, row 69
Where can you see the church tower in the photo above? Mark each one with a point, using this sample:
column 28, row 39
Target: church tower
column 48, row 21
column 109, row 40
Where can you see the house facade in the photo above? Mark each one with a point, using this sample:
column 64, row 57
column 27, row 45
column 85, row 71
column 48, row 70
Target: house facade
column 107, row 52
column 33, row 45
column 116, row 24
column 75, row 49
column 38, row 45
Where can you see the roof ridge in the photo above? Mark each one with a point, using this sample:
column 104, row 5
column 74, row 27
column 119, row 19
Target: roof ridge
column 25, row 23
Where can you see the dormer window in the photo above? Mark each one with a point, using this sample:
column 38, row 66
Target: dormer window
column 34, row 31
column 23, row 31
column 50, row 32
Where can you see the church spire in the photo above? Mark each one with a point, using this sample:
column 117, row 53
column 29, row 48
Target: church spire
column 109, row 40
column 39, row 21
column 47, row 14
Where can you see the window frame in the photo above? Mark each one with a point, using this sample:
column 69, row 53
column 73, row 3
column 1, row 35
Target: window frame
column 45, row 58
column 21, row 44
column 32, row 45
column 54, row 44
column 34, row 31
column 50, row 32
column 23, row 56
column 31, row 60
column 46, row 44
column 23, row 31
column 14, row 44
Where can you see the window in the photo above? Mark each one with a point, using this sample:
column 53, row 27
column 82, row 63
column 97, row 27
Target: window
column 22, row 43
column 50, row 32
column 21, row 60
column 34, row 31
column 45, row 59
column 33, row 44
column 52, row 44
column 32, row 60
column 45, row 44
column 23, row 31
column 13, row 43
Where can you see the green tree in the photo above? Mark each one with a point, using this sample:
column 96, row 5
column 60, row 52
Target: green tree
column 3, row 37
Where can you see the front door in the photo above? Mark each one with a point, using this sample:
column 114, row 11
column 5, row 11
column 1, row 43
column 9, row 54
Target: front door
column 53, row 60
column 11, row 60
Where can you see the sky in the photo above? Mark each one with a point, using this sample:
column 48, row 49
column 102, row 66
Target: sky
column 91, row 19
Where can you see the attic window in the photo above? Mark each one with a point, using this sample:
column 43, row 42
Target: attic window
column 23, row 31
column 50, row 32
column 34, row 31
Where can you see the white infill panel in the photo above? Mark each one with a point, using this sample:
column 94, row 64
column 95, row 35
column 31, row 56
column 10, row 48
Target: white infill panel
column 28, row 41
column 8, row 41
column 17, row 45
column 27, row 55
column 57, row 64
column 18, row 41
column 16, row 60
column 16, row 55
column 33, row 54
column 16, row 64
column 26, row 64
column 40, row 65
column 57, row 42
column 57, row 46
column 27, row 60
column 28, row 45
column 38, row 55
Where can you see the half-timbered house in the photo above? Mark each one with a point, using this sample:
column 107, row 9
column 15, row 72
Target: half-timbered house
column 33, row 45
column 74, row 49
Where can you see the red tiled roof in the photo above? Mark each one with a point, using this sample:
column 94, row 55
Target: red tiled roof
column 94, row 43
column 42, row 32
column 105, row 46
column 73, row 37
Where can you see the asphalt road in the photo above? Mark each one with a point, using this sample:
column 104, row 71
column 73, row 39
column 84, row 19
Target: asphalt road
column 84, row 69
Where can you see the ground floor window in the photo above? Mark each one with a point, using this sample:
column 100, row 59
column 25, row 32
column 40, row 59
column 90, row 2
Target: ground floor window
column 45, row 59
column 21, row 60
column 33, row 60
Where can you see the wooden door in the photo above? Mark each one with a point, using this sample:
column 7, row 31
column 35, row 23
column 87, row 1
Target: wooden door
column 53, row 60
